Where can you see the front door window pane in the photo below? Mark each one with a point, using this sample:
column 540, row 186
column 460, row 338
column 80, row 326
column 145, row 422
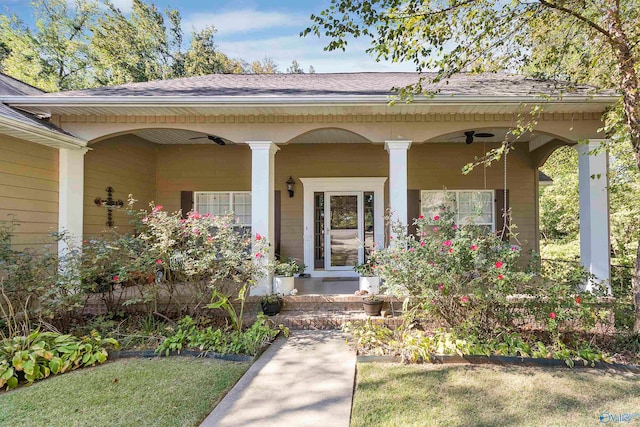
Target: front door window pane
column 343, row 231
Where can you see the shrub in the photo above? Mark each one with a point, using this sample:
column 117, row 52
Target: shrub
column 473, row 282
column 189, row 335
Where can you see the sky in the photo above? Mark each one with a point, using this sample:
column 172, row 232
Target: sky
column 251, row 29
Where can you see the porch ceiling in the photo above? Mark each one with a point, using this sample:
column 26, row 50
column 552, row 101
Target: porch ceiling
column 175, row 136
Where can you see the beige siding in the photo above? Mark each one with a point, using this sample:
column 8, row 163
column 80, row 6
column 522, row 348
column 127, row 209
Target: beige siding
column 29, row 190
column 431, row 167
column 201, row 168
column 438, row 166
column 316, row 161
column 126, row 163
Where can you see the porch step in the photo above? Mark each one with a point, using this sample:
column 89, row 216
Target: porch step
column 325, row 303
column 323, row 320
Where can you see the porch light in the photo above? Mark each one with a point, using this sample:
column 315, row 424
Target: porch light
column 290, row 184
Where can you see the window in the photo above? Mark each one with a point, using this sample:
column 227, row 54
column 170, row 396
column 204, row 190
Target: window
column 475, row 206
column 224, row 203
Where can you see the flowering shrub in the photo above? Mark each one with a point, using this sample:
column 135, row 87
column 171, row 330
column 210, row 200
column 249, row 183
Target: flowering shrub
column 179, row 260
column 472, row 281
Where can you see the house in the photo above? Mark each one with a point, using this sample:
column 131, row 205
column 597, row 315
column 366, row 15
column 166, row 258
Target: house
column 310, row 161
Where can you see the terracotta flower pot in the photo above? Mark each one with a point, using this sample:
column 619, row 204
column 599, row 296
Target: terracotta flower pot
column 372, row 308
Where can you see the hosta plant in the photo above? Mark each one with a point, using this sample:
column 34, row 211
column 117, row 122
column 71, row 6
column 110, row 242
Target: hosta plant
column 40, row 354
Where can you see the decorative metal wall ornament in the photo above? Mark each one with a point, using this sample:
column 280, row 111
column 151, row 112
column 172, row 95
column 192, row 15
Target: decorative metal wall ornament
column 110, row 204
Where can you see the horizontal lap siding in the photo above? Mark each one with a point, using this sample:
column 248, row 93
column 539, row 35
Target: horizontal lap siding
column 438, row 166
column 126, row 163
column 431, row 167
column 317, row 161
column 201, row 168
column 29, row 191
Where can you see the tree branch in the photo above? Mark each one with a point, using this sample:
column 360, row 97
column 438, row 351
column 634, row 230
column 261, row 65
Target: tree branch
column 579, row 17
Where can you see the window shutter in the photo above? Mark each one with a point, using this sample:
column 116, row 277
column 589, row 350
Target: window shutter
column 186, row 202
column 277, row 216
column 501, row 208
column 413, row 209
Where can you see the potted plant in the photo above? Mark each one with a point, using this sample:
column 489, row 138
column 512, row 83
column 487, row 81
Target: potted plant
column 283, row 280
column 271, row 304
column 368, row 280
column 372, row 305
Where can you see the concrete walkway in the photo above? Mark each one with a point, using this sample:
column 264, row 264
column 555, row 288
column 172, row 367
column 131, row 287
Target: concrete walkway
column 305, row 380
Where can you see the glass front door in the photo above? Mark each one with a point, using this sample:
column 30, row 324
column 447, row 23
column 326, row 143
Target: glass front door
column 343, row 230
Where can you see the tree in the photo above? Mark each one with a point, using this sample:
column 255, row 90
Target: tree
column 139, row 47
column 267, row 66
column 204, row 58
column 55, row 55
column 560, row 39
column 295, row 68
column 79, row 44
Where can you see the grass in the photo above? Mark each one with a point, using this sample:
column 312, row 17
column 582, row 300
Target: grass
column 423, row 395
column 175, row 391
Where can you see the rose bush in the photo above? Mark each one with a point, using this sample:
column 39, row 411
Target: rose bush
column 474, row 282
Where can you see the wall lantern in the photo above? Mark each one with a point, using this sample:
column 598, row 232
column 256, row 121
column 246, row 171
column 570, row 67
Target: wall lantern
column 110, row 204
column 290, row 184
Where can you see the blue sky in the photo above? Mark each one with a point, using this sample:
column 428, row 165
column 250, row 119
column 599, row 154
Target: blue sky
column 251, row 29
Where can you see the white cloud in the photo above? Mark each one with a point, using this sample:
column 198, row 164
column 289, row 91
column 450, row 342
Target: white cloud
column 309, row 51
column 241, row 21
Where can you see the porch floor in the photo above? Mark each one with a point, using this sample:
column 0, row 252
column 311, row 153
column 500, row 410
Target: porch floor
column 326, row 286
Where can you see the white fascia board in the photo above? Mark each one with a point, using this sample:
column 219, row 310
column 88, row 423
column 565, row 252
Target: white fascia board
column 195, row 101
column 58, row 140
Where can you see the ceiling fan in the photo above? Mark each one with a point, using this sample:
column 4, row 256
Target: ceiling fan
column 471, row 134
column 213, row 138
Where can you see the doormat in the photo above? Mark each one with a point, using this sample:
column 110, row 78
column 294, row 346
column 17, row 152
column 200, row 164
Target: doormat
column 340, row 279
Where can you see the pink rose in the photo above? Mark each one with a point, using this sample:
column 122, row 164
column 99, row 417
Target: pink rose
column 464, row 299
column 441, row 286
column 552, row 315
column 447, row 243
column 499, row 264
column 158, row 261
column 258, row 236
column 500, row 277
column 454, row 226
column 116, row 278
column 435, row 218
column 435, row 228
column 474, row 247
column 422, row 244
column 258, row 255
column 421, row 217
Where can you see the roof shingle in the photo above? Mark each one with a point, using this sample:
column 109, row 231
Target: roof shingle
column 338, row 84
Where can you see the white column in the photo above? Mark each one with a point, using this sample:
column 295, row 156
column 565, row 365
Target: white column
column 262, row 202
column 70, row 196
column 398, row 180
column 595, row 249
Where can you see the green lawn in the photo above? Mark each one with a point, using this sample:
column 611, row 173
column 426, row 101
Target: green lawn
column 175, row 391
column 424, row 395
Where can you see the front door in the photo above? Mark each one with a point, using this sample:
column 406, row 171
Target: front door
column 343, row 230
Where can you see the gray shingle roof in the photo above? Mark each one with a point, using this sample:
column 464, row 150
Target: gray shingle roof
column 11, row 86
column 339, row 84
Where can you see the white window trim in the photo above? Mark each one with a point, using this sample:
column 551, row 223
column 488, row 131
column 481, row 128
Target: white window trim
column 493, row 204
column 231, row 201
